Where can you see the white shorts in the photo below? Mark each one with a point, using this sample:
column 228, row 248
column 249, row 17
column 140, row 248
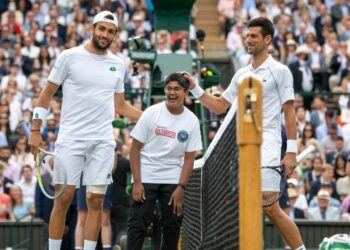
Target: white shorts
column 94, row 158
column 270, row 180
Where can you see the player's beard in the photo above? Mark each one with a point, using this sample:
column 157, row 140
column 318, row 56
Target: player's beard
column 97, row 44
column 256, row 50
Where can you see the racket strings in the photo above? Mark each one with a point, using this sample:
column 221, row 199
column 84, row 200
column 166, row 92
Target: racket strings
column 270, row 198
column 46, row 172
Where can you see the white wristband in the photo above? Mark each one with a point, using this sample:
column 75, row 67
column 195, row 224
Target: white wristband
column 197, row 91
column 39, row 113
column 292, row 146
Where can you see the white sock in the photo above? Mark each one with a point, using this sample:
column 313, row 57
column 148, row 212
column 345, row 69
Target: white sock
column 301, row 248
column 54, row 244
column 78, row 248
column 90, row 245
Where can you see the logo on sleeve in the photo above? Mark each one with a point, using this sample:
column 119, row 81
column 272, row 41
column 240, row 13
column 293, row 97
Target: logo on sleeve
column 182, row 136
column 112, row 69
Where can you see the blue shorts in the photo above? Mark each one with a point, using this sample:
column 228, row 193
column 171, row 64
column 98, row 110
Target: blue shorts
column 81, row 198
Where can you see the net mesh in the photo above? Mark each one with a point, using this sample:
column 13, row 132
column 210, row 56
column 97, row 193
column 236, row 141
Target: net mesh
column 211, row 215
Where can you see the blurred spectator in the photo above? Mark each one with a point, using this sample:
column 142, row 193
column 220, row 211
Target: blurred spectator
column 345, row 208
column 333, row 202
column 11, row 170
column 21, row 155
column 300, row 114
column 295, row 213
column 323, row 211
column 301, row 71
column 16, row 75
column 27, row 184
column 5, row 202
column 339, row 10
column 20, row 210
column 339, row 149
column 318, row 114
column 184, row 49
column 29, row 49
column 315, row 174
column 300, row 201
column 328, row 143
column 292, row 46
column 307, row 138
column 322, row 129
column 325, row 179
column 343, row 183
column 226, row 14
column 339, row 167
column 5, row 183
column 234, row 41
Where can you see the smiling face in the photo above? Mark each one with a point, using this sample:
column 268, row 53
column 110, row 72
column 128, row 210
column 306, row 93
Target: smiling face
column 103, row 34
column 256, row 42
column 175, row 96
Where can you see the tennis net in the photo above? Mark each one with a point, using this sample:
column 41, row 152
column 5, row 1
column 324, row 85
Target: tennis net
column 211, row 211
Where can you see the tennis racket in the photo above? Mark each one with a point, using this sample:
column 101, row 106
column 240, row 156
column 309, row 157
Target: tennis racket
column 270, row 198
column 44, row 164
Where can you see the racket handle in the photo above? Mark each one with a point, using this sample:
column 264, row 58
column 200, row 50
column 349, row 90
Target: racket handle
column 119, row 123
column 25, row 129
column 311, row 148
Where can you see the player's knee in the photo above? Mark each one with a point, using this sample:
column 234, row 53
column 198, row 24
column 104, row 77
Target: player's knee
column 94, row 201
column 64, row 201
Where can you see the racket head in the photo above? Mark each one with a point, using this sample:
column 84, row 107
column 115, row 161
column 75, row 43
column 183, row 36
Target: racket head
column 45, row 172
column 270, row 198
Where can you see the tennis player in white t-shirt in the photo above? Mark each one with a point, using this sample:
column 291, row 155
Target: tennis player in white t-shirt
column 278, row 94
column 92, row 82
column 166, row 138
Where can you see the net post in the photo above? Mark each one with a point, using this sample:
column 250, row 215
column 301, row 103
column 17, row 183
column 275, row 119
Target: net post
column 249, row 139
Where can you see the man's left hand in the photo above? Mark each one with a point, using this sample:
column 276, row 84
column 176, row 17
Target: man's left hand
column 177, row 200
column 289, row 162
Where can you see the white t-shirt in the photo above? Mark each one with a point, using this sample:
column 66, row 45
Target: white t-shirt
column 277, row 82
column 166, row 138
column 89, row 82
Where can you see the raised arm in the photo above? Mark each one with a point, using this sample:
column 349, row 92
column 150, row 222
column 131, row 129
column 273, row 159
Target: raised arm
column 217, row 104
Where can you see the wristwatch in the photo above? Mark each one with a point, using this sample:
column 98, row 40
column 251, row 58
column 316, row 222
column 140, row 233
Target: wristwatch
column 183, row 185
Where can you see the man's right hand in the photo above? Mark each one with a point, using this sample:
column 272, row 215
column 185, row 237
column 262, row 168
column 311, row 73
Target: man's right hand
column 189, row 77
column 34, row 142
column 138, row 192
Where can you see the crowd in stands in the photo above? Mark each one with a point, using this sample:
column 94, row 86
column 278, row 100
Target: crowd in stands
column 312, row 38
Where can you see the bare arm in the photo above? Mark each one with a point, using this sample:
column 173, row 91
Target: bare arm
column 44, row 101
column 187, row 167
column 177, row 197
column 289, row 161
column 138, row 192
column 217, row 104
column 124, row 108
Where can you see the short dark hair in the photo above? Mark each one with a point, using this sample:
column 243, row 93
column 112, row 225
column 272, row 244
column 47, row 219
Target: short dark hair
column 177, row 77
column 265, row 24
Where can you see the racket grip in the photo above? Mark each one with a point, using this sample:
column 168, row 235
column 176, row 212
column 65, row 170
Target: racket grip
column 311, row 148
column 25, row 129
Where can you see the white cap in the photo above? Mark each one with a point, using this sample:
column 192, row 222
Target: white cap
column 293, row 181
column 100, row 17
